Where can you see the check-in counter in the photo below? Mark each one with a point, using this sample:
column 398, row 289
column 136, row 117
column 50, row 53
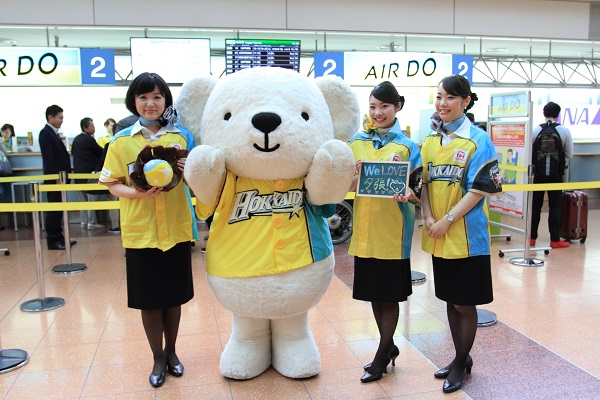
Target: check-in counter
column 26, row 163
column 584, row 165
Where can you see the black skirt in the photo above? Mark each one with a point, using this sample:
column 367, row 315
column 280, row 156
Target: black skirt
column 463, row 281
column 159, row 279
column 381, row 281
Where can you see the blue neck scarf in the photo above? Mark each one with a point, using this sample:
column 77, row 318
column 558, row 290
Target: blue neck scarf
column 440, row 126
column 148, row 122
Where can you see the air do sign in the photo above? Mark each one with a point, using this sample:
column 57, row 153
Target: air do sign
column 47, row 66
column 402, row 69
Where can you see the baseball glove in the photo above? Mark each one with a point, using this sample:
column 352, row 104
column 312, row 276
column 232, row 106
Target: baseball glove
column 169, row 154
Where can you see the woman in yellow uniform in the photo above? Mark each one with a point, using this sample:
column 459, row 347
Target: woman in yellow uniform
column 383, row 227
column 156, row 224
column 461, row 169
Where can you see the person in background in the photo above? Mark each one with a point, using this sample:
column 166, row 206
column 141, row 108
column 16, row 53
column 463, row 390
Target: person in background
column 126, row 122
column 156, row 225
column 55, row 158
column 113, row 214
column 462, row 170
column 5, row 151
column 109, row 124
column 551, row 113
column 8, row 133
column 383, row 227
column 86, row 156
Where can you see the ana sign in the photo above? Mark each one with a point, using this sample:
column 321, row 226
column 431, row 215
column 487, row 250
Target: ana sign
column 47, row 66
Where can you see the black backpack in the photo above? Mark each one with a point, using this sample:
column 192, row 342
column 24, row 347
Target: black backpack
column 548, row 152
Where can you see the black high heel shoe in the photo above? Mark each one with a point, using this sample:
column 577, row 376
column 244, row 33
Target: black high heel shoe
column 393, row 355
column 443, row 373
column 175, row 370
column 372, row 377
column 157, row 380
column 450, row 386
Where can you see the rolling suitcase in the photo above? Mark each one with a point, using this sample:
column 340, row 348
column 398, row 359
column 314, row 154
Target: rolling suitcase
column 574, row 215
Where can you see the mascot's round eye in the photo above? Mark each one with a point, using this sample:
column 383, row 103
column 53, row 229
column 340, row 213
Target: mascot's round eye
column 305, row 116
column 227, row 116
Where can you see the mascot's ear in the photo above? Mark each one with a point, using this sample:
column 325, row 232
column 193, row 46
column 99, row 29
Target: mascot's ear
column 343, row 106
column 191, row 102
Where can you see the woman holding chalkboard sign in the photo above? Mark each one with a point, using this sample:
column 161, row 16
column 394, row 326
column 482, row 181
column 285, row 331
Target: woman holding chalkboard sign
column 383, row 226
column 462, row 170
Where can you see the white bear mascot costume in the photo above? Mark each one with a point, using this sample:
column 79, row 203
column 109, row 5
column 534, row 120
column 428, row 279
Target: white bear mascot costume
column 271, row 165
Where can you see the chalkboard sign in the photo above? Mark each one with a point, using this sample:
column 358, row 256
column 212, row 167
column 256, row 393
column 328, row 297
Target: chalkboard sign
column 383, row 178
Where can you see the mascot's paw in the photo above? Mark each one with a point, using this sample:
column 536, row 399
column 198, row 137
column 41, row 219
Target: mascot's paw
column 330, row 175
column 297, row 357
column 204, row 171
column 246, row 359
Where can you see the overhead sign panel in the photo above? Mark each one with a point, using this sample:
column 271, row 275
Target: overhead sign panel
column 48, row 66
column 402, row 69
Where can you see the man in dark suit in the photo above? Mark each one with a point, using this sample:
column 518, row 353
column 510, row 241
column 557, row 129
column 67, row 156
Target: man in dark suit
column 86, row 157
column 55, row 158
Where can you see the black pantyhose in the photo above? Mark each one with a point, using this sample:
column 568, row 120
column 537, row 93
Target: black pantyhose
column 463, row 326
column 386, row 317
column 171, row 319
column 156, row 324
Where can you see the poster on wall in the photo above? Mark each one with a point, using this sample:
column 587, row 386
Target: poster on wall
column 511, row 149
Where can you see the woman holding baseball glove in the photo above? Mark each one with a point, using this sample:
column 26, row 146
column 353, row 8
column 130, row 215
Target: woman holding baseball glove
column 144, row 168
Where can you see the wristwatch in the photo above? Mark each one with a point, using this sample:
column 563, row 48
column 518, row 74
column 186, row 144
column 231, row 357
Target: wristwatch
column 449, row 217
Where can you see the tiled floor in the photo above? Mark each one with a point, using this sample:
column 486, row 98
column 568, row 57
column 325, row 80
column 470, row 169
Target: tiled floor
column 545, row 345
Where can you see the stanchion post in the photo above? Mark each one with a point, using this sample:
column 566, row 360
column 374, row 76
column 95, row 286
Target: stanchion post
column 417, row 278
column 11, row 359
column 527, row 261
column 42, row 303
column 68, row 267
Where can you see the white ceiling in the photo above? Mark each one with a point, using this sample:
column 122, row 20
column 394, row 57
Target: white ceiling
column 118, row 39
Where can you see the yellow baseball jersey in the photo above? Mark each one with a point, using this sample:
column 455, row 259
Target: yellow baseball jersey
column 264, row 227
column 159, row 221
column 450, row 172
column 103, row 140
column 383, row 228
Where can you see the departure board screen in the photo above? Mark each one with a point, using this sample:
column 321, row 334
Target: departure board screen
column 250, row 53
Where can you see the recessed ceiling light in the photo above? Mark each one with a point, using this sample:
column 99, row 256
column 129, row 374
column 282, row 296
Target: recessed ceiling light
column 589, row 53
column 496, row 50
column 7, row 41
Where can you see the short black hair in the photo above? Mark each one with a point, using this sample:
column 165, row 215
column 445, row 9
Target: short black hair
column 551, row 110
column 9, row 127
column 53, row 111
column 386, row 92
column 144, row 83
column 458, row 85
column 85, row 123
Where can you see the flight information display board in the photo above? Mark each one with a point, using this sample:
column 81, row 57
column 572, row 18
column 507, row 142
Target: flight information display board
column 250, row 53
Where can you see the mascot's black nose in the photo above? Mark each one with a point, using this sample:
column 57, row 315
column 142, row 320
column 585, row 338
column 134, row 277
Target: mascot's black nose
column 266, row 122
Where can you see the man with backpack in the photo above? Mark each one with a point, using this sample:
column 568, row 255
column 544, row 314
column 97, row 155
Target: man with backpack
column 552, row 147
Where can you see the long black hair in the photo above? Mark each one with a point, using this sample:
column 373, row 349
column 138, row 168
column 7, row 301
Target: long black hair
column 458, row 85
column 386, row 92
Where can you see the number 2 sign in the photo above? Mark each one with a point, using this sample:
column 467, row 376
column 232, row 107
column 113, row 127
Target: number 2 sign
column 97, row 67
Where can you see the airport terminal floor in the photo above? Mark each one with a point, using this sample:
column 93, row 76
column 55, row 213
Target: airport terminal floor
column 544, row 345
